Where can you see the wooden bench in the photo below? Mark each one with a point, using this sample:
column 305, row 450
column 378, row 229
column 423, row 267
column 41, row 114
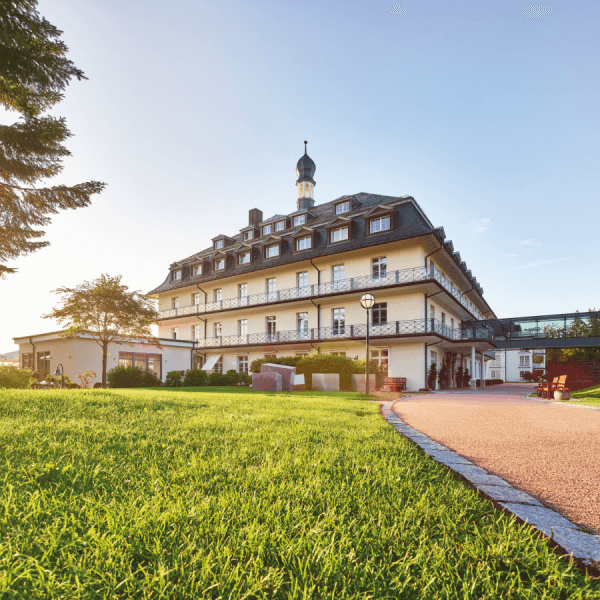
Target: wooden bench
column 559, row 384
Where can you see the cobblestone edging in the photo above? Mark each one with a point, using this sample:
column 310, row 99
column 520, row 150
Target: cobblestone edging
column 582, row 546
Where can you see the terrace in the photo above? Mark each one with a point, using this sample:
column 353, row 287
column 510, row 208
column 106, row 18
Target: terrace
column 355, row 284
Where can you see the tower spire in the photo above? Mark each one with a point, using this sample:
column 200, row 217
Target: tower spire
column 305, row 170
column 305, row 143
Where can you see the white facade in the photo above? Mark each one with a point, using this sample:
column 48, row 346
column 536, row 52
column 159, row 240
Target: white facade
column 509, row 365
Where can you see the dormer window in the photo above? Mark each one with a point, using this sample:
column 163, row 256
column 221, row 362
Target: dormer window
column 379, row 224
column 342, row 207
column 196, row 270
column 304, row 243
column 219, row 264
column 267, row 229
column 248, row 235
column 280, row 226
column 272, row 251
column 340, row 234
column 219, row 244
column 299, row 220
column 244, row 258
column 177, row 275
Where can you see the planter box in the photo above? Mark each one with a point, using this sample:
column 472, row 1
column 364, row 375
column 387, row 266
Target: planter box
column 357, row 383
column 326, row 382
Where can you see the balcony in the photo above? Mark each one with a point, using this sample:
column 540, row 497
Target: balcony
column 355, row 284
column 349, row 332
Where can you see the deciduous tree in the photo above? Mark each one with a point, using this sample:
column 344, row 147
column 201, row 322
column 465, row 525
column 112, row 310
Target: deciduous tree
column 107, row 311
column 34, row 71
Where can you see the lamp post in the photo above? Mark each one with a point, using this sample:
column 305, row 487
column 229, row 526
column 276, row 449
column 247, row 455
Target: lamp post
column 60, row 372
column 367, row 301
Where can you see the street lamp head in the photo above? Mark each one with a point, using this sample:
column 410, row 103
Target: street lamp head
column 367, row 301
column 57, row 372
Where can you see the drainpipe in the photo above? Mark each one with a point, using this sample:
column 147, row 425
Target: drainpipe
column 432, row 253
column 318, row 306
column 205, row 295
column 32, row 352
column 201, row 319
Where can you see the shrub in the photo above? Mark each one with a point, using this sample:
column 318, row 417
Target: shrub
column 244, row 379
column 232, row 377
column 74, row 386
column 97, row 385
column 380, row 372
column 86, row 377
column 195, row 377
column 174, row 378
column 126, row 377
column 13, row 377
column 327, row 363
column 217, row 379
column 288, row 361
column 432, row 376
column 528, row 376
column 55, row 379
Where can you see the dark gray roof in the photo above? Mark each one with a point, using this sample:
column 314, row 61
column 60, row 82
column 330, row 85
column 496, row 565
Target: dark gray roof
column 409, row 222
column 305, row 169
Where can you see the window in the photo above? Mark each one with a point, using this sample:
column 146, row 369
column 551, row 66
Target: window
column 302, row 279
column 196, row 332
column 242, row 364
column 219, row 264
column 432, row 357
column 338, row 353
column 299, row 220
column 272, row 288
column 301, row 353
column 270, row 355
column 126, row 359
column 176, row 275
column 243, row 290
column 302, row 322
column 248, row 235
column 380, row 356
column 43, row 361
column 304, row 243
column 271, row 327
column 524, row 361
column 218, row 294
column 244, row 258
column 218, row 368
column 342, row 207
column 267, row 229
column 219, row 244
column 218, row 329
column 379, row 268
column 339, row 235
column 338, row 272
column 496, row 374
column 175, row 302
column 198, row 361
column 195, row 299
column 174, row 333
column 28, row 361
column 379, row 224
column 280, row 226
column 443, row 318
column 146, row 362
column 379, row 313
column 432, row 312
column 243, row 327
column 272, row 251
column 452, row 324
column 339, row 321
column 197, row 270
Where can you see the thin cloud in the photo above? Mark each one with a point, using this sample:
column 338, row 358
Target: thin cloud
column 529, row 243
column 539, row 263
column 481, row 225
column 537, row 11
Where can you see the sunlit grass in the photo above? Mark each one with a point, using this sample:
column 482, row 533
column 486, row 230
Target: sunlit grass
column 182, row 494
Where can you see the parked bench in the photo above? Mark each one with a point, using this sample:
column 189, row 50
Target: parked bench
column 559, row 384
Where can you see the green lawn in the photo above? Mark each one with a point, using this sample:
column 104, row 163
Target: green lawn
column 214, row 494
column 589, row 395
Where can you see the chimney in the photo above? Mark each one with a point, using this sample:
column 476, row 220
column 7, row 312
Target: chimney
column 255, row 216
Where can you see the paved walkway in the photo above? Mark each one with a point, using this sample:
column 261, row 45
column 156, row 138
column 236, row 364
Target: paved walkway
column 547, row 450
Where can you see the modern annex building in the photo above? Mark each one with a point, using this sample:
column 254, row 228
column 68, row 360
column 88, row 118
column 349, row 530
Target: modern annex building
column 291, row 284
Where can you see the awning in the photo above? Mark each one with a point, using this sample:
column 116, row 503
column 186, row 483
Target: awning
column 211, row 361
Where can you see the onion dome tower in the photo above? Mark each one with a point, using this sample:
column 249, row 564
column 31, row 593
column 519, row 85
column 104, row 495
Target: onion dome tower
column 305, row 171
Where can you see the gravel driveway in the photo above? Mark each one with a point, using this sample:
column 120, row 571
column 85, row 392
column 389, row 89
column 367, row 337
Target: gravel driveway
column 552, row 452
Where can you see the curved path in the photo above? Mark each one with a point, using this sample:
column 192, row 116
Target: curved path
column 547, row 450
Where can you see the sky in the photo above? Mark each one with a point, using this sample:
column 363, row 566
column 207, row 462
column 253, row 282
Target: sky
column 194, row 112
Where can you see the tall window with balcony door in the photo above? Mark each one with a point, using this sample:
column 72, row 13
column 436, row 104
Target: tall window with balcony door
column 444, row 323
column 302, row 283
column 379, row 313
column 174, row 333
column 218, row 294
column 196, row 332
column 175, row 303
column 339, row 321
column 337, row 277
column 243, row 327
column 243, row 293
column 271, row 289
column 195, row 299
column 452, row 334
column 218, row 328
column 379, row 268
column 380, row 356
column 271, row 323
column 302, row 325
column 242, row 364
column 432, row 317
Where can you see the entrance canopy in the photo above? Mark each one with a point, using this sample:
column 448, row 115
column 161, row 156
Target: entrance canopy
column 211, row 361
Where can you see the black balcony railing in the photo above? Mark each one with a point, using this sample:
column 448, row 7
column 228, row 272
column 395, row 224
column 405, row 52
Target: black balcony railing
column 391, row 329
column 391, row 278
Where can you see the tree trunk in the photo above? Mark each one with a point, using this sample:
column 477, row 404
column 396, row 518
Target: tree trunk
column 104, row 359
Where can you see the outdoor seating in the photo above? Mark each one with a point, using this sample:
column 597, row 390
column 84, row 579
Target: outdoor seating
column 559, row 384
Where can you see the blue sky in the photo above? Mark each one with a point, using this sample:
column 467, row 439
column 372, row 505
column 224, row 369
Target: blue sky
column 196, row 112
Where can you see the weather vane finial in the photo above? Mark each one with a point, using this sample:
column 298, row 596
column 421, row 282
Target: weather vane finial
column 305, row 142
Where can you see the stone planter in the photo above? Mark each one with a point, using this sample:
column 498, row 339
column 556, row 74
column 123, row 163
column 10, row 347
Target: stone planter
column 558, row 395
